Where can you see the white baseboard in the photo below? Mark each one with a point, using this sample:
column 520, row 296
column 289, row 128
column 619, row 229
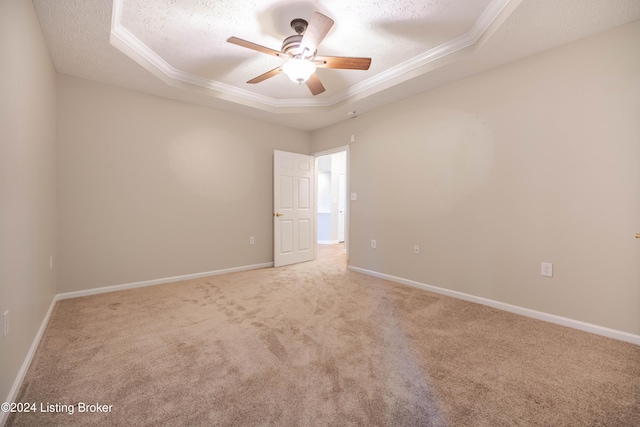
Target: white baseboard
column 328, row 242
column 576, row 324
column 144, row 283
column 13, row 393
column 552, row 318
column 36, row 341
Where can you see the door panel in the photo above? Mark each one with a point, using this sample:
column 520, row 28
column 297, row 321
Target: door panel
column 294, row 208
column 304, row 193
column 304, row 242
column 286, row 236
column 286, row 192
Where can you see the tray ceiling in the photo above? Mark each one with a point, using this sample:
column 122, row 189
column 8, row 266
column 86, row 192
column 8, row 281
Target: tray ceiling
column 414, row 45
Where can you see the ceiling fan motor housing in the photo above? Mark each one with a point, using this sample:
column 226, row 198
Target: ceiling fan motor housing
column 291, row 45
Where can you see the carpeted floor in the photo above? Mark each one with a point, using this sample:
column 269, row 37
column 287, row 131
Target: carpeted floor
column 316, row 345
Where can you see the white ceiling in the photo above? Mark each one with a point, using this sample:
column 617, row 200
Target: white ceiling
column 178, row 49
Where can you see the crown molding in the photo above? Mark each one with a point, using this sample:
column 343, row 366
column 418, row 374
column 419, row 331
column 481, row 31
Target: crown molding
column 123, row 40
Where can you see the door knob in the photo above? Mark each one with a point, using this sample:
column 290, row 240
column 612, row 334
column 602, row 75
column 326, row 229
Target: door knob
column 637, row 235
column 278, row 214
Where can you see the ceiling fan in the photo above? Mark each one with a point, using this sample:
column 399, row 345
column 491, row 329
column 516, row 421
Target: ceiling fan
column 301, row 53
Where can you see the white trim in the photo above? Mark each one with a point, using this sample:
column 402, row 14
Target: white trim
column 331, row 151
column 123, row 40
column 576, row 324
column 487, row 18
column 328, row 242
column 17, row 383
column 145, row 283
column 552, row 318
column 67, row 295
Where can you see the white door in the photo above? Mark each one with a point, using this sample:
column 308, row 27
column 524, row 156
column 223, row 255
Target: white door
column 342, row 204
column 294, row 208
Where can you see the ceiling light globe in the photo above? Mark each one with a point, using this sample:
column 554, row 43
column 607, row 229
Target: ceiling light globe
column 299, row 70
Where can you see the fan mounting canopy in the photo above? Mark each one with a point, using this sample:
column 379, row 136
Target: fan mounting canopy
column 299, row 25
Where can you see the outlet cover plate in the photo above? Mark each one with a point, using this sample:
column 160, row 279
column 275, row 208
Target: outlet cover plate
column 546, row 269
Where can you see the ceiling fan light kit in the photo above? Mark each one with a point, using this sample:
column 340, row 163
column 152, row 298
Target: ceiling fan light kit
column 299, row 70
column 300, row 52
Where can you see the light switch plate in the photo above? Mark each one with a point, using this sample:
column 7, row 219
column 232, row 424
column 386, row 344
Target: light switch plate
column 5, row 323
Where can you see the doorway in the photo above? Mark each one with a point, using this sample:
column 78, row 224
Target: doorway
column 331, row 197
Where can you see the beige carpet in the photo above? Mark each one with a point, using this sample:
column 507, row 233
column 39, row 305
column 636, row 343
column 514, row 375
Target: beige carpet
column 316, row 345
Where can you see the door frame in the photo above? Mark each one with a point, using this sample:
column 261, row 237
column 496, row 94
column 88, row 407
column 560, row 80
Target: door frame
column 344, row 148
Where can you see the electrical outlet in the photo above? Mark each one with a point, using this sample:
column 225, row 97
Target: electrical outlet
column 252, row 240
column 5, row 323
column 416, row 249
column 546, row 269
column 373, row 244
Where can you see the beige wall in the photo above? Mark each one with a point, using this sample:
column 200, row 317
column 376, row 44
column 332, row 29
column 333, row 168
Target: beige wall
column 151, row 188
column 533, row 161
column 27, row 184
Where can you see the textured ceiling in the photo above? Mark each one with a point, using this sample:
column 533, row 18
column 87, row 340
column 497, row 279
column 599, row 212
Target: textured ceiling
column 178, row 48
column 190, row 35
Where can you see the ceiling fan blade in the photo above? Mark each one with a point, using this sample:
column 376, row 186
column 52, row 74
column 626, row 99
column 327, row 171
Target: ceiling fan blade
column 256, row 47
column 265, row 76
column 314, row 84
column 317, row 29
column 342, row 62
